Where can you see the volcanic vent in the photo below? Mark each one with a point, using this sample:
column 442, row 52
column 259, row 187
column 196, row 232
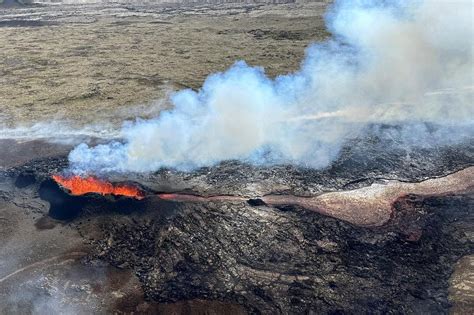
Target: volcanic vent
column 78, row 185
column 70, row 196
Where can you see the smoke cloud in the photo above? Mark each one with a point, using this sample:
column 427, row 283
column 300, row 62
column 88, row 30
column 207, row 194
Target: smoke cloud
column 408, row 64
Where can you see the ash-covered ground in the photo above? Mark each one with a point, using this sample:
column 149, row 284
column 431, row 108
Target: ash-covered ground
column 233, row 253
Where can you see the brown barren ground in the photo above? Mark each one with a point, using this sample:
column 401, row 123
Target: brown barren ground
column 88, row 65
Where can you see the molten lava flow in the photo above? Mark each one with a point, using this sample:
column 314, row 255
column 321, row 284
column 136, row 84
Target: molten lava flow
column 80, row 186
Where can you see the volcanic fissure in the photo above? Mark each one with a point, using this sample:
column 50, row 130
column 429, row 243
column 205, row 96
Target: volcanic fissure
column 369, row 206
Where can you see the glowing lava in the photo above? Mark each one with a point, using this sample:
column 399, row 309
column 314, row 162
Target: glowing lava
column 80, row 186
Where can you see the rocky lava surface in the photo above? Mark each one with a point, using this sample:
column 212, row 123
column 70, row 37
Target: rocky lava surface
column 250, row 255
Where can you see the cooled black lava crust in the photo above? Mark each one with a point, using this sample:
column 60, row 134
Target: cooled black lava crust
column 286, row 260
column 296, row 261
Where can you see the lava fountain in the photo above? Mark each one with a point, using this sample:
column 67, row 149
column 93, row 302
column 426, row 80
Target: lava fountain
column 78, row 185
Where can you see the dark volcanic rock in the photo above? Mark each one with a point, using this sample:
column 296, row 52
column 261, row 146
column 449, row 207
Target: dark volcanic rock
column 285, row 260
column 297, row 261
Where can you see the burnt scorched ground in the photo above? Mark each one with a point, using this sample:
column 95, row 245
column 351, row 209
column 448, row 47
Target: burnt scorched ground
column 262, row 259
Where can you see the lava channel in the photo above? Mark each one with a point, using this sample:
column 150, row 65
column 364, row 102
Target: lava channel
column 373, row 205
column 369, row 206
column 78, row 185
column 195, row 198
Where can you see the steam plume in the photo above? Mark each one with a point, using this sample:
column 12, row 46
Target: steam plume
column 404, row 63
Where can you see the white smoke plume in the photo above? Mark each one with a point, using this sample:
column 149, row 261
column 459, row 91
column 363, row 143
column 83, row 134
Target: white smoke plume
column 393, row 62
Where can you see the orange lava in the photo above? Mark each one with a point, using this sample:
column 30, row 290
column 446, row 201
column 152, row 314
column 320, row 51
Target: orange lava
column 80, row 186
